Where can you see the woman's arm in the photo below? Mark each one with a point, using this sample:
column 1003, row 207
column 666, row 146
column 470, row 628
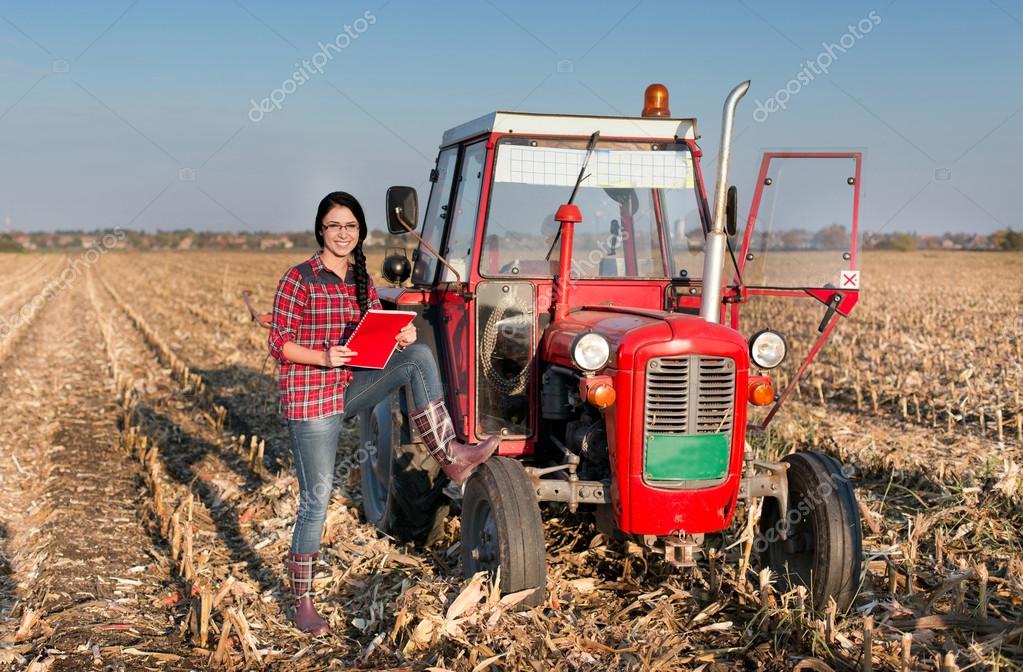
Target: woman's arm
column 336, row 356
column 286, row 318
column 293, row 352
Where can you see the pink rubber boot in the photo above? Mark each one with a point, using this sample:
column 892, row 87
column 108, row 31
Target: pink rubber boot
column 300, row 573
column 457, row 460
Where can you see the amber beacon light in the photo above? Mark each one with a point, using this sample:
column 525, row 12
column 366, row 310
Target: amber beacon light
column 655, row 101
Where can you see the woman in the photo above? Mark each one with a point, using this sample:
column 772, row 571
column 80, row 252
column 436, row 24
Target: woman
column 317, row 305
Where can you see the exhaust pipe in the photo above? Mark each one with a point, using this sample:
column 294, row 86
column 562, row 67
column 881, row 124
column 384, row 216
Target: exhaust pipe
column 714, row 254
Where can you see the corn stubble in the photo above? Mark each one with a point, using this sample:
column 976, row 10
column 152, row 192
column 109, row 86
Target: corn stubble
column 918, row 392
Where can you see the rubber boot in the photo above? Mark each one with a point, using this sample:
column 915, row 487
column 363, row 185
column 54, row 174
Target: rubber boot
column 300, row 573
column 457, row 460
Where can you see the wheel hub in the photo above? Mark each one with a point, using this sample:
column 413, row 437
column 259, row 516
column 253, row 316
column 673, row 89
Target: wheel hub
column 485, row 551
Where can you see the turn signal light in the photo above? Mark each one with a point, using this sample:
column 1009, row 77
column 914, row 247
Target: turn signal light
column 761, row 392
column 655, row 101
column 601, row 396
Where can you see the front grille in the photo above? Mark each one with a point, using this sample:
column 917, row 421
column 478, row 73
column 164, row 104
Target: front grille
column 690, row 395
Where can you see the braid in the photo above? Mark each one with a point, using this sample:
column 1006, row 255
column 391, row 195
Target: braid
column 361, row 278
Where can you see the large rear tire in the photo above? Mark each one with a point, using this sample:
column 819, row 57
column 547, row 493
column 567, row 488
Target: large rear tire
column 402, row 486
column 502, row 527
column 823, row 549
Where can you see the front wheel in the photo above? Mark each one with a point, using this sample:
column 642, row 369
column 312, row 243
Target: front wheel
column 823, row 548
column 502, row 527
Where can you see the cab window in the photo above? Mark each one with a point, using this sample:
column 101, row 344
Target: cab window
column 436, row 217
column 458, row 250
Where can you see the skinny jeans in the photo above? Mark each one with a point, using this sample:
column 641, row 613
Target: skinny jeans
column 314, row 442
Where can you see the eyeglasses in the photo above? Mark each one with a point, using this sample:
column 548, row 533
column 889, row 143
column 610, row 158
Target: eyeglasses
column 338, row 228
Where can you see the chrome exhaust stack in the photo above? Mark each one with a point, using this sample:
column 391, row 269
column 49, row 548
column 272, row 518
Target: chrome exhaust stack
column 714, row 254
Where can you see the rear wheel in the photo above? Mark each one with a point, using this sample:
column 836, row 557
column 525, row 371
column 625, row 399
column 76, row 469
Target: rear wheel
column 402, row 486
column 823, row 548
column 502, row 527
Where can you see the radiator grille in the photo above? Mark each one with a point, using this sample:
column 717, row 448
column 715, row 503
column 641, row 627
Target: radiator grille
column 690, row 395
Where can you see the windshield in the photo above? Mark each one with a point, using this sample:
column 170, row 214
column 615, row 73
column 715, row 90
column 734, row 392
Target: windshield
column 638, row 202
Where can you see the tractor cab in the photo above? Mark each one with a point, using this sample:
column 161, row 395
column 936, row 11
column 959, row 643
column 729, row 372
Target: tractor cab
column 491, row 252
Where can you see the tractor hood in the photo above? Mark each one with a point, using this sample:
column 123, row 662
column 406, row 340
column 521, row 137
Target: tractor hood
column 629, row 329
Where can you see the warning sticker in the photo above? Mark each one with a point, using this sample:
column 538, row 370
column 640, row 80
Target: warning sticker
column 849, row 280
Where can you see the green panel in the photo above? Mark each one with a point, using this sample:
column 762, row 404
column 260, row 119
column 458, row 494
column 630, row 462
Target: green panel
column 694, row 457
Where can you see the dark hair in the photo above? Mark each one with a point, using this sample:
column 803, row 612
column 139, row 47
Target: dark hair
column 346, row 200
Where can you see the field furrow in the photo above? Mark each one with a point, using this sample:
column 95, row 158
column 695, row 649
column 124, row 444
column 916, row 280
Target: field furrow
column 86, row 578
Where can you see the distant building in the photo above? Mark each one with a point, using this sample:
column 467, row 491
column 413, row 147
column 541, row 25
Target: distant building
column 276, row 243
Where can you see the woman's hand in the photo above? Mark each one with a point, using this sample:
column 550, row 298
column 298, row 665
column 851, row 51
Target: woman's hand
column 337, row 356
column 407, row 335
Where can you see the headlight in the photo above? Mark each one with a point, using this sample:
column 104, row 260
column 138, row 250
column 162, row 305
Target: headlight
column 767, row 349
column 590, row 351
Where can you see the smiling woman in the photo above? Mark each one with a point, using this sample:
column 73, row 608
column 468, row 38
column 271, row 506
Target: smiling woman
column 317, row 307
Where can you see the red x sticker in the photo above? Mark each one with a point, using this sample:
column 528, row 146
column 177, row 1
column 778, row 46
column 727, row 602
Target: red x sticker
column 850, row 280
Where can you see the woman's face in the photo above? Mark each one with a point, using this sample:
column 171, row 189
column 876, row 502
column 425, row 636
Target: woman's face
column 340, row 231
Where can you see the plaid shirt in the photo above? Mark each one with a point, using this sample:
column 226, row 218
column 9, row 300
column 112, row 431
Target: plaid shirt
column 315, row 315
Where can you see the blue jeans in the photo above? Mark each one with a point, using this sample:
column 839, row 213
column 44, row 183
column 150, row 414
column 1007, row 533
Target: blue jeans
column 314, row 442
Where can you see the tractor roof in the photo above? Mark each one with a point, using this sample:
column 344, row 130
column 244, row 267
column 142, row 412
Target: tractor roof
column 526, row 123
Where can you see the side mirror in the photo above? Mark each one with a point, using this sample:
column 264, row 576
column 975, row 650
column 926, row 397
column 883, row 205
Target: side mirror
column 396, row 269
column 402, row 209
column 731, row 211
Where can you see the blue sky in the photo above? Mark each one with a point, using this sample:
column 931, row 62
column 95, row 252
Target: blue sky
column 139, row 114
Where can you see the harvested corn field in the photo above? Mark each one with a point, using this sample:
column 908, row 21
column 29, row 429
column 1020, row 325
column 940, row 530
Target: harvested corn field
column 147, row 496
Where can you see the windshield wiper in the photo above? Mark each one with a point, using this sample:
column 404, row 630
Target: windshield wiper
column 582, row 176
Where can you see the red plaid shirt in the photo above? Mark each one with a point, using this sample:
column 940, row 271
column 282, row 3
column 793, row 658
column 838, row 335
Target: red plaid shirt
column 316, row 315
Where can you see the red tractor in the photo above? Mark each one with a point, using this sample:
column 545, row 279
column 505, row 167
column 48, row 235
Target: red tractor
column 583, row 299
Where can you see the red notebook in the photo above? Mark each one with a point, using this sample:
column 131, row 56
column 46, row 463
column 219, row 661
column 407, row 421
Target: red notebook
column 374, row 337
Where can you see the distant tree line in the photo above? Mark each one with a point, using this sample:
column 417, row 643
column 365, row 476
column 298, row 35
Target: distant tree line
column 834, row 237
column 180, row 239
column 1005, row 240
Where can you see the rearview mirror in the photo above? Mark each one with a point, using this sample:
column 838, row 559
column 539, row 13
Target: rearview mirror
column 402, row 209
column 731, row 210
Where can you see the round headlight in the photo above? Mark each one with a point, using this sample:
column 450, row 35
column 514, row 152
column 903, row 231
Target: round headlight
column 590, row 351
column 767, row 349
